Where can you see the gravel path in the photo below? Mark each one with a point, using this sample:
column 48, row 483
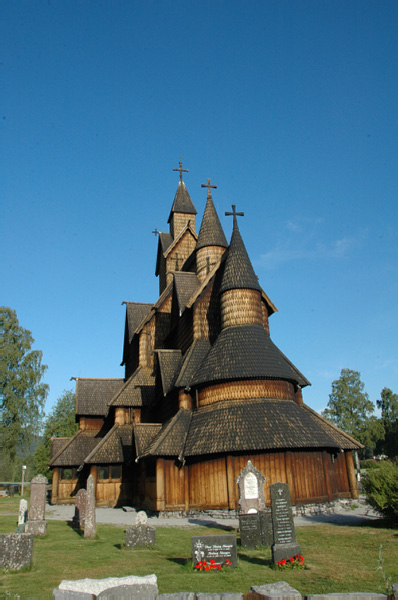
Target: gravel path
column 119, row 516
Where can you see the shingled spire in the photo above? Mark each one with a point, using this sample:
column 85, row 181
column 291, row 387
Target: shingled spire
column 183, row 209
column 211, row 242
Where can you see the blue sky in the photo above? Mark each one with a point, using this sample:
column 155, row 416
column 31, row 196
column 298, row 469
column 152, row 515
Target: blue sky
column 290, row 107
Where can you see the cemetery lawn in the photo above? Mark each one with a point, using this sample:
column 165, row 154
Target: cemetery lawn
column 339, row 559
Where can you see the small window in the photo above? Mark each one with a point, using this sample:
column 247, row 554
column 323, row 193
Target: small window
column 103, row 472
column 68, row 474
column 116, row 471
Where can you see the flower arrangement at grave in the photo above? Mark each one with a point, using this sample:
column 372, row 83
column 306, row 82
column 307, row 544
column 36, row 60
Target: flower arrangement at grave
column 295, row 562
column 203, row 565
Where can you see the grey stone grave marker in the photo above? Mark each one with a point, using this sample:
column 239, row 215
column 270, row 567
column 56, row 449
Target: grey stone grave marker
column 36, row 522
column 280, row 590
column 90, row 526
column 219, row 548
column 140, row 535
column 22, row 515
column 141, row 518
column 80, row 508
column 284, row 534
column 256, row 529
column 16, row 550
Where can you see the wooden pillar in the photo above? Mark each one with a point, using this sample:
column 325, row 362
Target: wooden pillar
column 231, row 484
column 299, row 396
column 325, row 460
column 351, row 474
column 184, row 400
column 186, row 487
column 289, row 477
column 54, row 487
column 160, row 489
column 94, row 473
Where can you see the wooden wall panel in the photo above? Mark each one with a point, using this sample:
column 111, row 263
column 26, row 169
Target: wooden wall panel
column 309, row 477
column 208, row 484
column 174, row 484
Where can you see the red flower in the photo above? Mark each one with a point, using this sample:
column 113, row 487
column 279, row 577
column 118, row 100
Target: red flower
column 284, row 561
column 228, row 562
column 207, row 568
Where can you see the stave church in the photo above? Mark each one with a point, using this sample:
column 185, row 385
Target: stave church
column 205, row 389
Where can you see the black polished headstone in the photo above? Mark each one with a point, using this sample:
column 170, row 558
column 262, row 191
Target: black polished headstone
column 284, row 534
column 219, row 548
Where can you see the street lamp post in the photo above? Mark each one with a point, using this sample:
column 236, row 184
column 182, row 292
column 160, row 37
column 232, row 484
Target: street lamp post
column 23, row 477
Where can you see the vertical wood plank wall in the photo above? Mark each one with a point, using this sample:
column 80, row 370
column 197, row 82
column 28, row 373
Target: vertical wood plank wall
column 312, row 477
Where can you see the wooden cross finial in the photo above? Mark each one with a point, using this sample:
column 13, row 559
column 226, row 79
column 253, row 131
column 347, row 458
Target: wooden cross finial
column 209, row 187
column 156, row 232
column 234, row 214
column 181, row 170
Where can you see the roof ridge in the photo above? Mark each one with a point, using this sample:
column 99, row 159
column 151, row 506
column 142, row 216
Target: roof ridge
column 101, row 443
column 66, row 445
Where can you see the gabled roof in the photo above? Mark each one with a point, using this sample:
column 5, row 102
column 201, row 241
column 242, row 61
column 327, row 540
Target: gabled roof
column 169, row 365
column 182, row 202
column 193, row 358
column 249, row 425
column 57, row 444
column 114, row 448
column 73, row 453
column 144, row 434
column 93, row 395
column 238, row 272
column 170, row 440
column 135, row 313
column 138, row 391
column 167, row 243
column 185, row 285
column 211, row 232
column 184, row 230
column 245, row 352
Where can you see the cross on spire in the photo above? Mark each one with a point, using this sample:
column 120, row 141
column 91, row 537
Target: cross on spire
column 181, row 170
column 156, row 232
column 234, row 214
column 209, row 187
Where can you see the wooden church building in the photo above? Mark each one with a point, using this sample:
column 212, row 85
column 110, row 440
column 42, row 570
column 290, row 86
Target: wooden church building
column 204, row 390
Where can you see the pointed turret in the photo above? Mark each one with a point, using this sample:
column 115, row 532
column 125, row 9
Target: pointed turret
column 240, row 291
column 183, row 209
column 211, row 242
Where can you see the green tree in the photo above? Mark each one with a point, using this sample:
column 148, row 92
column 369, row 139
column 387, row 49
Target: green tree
column 22, row 391
column 381, row 488
column 350, row 409
column 59, row 423
column 388, row 405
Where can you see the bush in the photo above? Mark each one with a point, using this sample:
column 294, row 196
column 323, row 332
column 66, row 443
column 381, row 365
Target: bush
column 369, row 463
column 381, row 489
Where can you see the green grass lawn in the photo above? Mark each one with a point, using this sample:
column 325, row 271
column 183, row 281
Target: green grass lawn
column 339, row 559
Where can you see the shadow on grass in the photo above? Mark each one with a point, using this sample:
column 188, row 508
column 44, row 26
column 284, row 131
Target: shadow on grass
column 350, row 521
column 180, row 560
column 211, row 524
column 78, row 530
column 256, row 560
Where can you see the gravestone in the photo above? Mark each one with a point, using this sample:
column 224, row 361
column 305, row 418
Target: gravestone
column 138, row 591
column 16, row 550
column 280, row 590
column 140, row 535
column 141, row 518
column 284, row 534
column 251, row 489
column 96, row 587
column 219, row 548
column 22, row 515
column 80, row 508
column 90, row 526
column 36, row 522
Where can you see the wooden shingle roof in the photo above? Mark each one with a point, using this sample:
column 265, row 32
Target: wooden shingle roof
column 185, row 285
column 144, row 434
column 211, row 232
column 57, row 444
column 135, row 313
column 93, row 395
column 169, row 365
column 343, row 439
column 170, row 440
column 245, row 352
column 73, row 453
column 138, row 391
column 249, row 425
column 182, row 202
column 192, row 360
column 115, row 447
column 238, row 272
